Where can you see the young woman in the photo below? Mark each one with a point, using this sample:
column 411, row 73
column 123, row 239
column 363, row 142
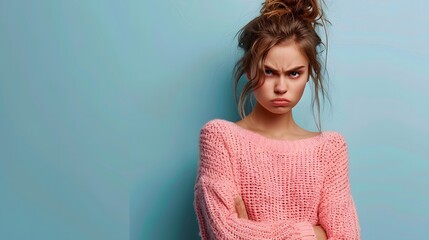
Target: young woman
column 265, row 177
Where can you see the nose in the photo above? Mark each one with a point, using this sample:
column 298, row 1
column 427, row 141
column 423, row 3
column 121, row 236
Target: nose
column 280, row 85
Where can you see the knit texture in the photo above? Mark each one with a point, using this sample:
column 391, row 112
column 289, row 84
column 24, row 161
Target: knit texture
column 287, row 185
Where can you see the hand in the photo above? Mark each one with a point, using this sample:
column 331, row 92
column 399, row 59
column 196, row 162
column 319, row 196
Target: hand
column 240, row 208
column 320, row 233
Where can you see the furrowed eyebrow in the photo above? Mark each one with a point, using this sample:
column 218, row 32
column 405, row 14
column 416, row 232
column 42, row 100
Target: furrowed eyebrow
column 290, row 70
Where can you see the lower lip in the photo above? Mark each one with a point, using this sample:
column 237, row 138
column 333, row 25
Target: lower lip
column 280, row 103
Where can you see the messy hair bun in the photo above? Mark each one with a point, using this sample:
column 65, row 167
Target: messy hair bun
column 281, row 21
column 306, row 10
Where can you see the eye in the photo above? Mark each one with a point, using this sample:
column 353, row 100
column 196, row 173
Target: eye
column 268, row 72
column 295, row 74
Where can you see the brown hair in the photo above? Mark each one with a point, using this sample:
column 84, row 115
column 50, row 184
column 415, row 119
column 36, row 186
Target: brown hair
column 281, row 21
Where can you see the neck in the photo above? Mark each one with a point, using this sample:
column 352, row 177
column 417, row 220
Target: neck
column 271, row 123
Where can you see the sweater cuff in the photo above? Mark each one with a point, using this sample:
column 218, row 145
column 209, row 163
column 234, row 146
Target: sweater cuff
column 306, row 231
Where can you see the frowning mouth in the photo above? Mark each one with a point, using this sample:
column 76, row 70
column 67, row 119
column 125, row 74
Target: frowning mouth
column 280, row 102
column 281, row 99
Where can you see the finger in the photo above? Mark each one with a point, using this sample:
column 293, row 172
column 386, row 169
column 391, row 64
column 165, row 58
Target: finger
column 320, row 232
column 240, row 208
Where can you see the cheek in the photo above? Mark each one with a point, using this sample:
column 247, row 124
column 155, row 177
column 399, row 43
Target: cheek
column 298, row 89
column 258, row 93
column 263, row 89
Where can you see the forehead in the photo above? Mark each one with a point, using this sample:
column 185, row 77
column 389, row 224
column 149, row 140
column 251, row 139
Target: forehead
column 286, row 55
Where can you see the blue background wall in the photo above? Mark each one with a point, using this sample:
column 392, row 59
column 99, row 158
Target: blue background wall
column 101, row 103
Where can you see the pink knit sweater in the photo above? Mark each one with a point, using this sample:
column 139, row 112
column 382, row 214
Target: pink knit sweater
column 286, row 185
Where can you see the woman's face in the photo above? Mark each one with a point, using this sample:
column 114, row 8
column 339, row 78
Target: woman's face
column 286, row 74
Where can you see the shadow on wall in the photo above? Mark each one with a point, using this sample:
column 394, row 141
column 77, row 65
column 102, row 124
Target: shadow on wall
column 172, row 214
column 186, row 220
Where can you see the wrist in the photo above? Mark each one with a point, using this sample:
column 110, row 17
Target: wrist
column 306, row 231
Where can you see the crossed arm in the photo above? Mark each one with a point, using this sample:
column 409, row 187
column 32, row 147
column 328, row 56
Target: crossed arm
column 242, row 213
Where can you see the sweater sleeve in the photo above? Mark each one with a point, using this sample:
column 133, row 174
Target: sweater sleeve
column 214, row 194
column 337, row 211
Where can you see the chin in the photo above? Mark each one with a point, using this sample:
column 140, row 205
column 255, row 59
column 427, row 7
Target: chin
column 279, row 111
